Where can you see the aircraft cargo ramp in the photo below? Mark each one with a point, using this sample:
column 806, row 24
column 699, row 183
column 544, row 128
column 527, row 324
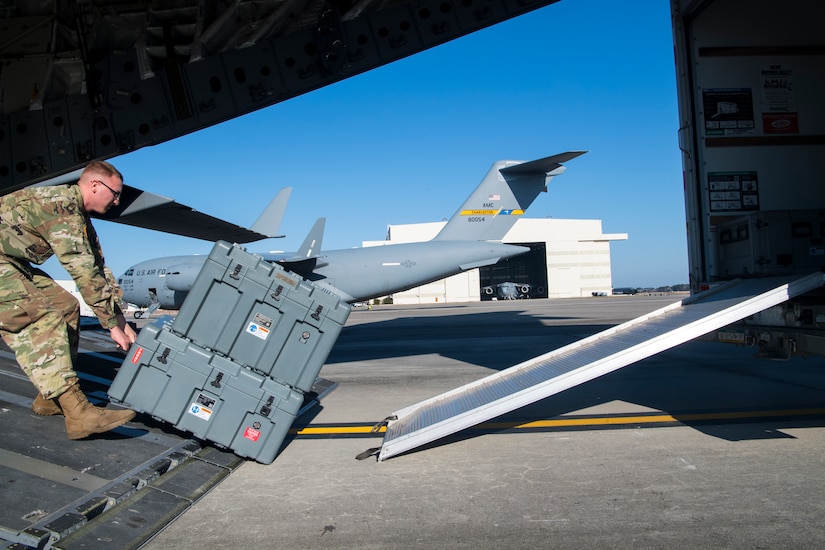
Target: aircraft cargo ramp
column 112, row 490
column 587, row 359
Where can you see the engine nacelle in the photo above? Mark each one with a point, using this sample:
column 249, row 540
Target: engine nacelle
column 181, row 277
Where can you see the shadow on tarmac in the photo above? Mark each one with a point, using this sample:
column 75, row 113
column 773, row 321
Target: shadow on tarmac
column 717, row 389
column 474, row 338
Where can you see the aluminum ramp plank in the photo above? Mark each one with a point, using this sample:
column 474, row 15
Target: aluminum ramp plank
column 581, row 361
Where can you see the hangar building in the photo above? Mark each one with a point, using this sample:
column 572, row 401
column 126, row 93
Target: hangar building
column 568, row 258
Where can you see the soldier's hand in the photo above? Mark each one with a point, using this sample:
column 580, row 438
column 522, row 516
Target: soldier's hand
column 123, row 334
column 130, row 333
column 120, row 338
column 127, row 328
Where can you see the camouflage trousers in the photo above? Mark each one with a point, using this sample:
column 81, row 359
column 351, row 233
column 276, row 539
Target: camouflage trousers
column 39, row 321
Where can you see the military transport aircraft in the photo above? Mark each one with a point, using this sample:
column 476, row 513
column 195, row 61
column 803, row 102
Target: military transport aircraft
column 507, row 291
column 470, row 239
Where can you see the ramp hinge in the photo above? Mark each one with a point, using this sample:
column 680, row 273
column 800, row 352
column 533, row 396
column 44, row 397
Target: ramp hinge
column 383, row 423
column 368, row 453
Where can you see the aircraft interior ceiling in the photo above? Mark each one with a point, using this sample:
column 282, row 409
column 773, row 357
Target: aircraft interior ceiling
column 91, row 79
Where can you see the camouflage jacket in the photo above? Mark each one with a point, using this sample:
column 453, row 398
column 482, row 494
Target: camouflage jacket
column 39, row 222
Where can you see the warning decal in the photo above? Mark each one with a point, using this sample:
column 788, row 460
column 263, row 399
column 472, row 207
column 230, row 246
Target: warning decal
column 202, row 407
column 252, row 434
column 200, row 411
column 259, row 326
column 257, row 331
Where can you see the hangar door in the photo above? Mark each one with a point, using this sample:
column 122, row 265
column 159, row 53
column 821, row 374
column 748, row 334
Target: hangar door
column 528, row 269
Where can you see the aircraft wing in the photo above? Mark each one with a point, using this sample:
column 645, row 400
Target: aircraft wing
column 143, row 209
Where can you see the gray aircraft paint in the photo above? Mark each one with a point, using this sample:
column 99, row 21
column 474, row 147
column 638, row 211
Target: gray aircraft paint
column 469, row 240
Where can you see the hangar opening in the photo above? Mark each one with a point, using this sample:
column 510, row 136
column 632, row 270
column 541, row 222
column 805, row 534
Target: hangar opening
column 521, row 277
column 567, row 259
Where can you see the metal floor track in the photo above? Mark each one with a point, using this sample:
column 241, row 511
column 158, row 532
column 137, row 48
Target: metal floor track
column 112, row 490
column 586, row 359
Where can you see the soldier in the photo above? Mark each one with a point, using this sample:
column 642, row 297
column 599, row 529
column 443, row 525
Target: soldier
column 38, row 319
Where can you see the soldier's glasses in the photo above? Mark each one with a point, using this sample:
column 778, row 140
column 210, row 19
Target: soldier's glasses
column 115, row 193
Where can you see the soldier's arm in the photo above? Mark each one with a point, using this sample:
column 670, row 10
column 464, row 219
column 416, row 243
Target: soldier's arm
column 72, row 247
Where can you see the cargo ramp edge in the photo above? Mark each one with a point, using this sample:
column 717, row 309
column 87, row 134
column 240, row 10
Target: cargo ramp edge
column 581, row 361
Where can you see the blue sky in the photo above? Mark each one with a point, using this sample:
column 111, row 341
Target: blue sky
column 406, row 143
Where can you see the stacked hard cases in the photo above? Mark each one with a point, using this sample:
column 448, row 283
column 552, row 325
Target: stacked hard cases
column 234, row 364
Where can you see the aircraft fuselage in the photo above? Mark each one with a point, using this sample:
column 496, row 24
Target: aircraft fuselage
column 356, row 274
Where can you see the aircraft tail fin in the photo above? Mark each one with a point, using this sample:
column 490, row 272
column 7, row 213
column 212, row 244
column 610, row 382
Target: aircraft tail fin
column 502, row 197
column 306, row 258
column 270, row 219
column 312, row 243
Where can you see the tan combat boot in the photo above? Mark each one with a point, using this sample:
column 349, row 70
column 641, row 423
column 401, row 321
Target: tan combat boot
column 45, row 407
column 83, row 419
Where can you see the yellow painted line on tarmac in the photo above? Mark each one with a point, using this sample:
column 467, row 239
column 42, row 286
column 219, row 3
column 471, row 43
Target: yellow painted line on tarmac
column 586, row 421
column 661, row 418
column 337, row 430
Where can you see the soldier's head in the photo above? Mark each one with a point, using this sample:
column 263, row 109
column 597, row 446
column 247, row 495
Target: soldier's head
column 101, row 185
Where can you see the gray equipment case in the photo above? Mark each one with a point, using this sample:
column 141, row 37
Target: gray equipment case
column 205, row 394
column 262, row 316
column 211, row 372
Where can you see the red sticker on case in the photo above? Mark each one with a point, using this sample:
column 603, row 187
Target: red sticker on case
column 252, row 434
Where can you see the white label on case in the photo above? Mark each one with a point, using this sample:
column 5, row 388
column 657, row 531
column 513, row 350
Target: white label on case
column 200, row 411
column 257, row 330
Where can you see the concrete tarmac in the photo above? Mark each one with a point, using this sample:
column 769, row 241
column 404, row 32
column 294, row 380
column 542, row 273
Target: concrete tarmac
column 701, row 446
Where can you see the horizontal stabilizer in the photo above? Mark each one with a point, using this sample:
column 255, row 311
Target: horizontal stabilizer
column 479, row 263
column 542, row 166
column 304, row 268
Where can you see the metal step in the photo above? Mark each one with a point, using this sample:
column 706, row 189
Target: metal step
column 586, row 359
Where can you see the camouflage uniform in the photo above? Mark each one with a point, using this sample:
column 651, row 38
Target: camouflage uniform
column 39, row 320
